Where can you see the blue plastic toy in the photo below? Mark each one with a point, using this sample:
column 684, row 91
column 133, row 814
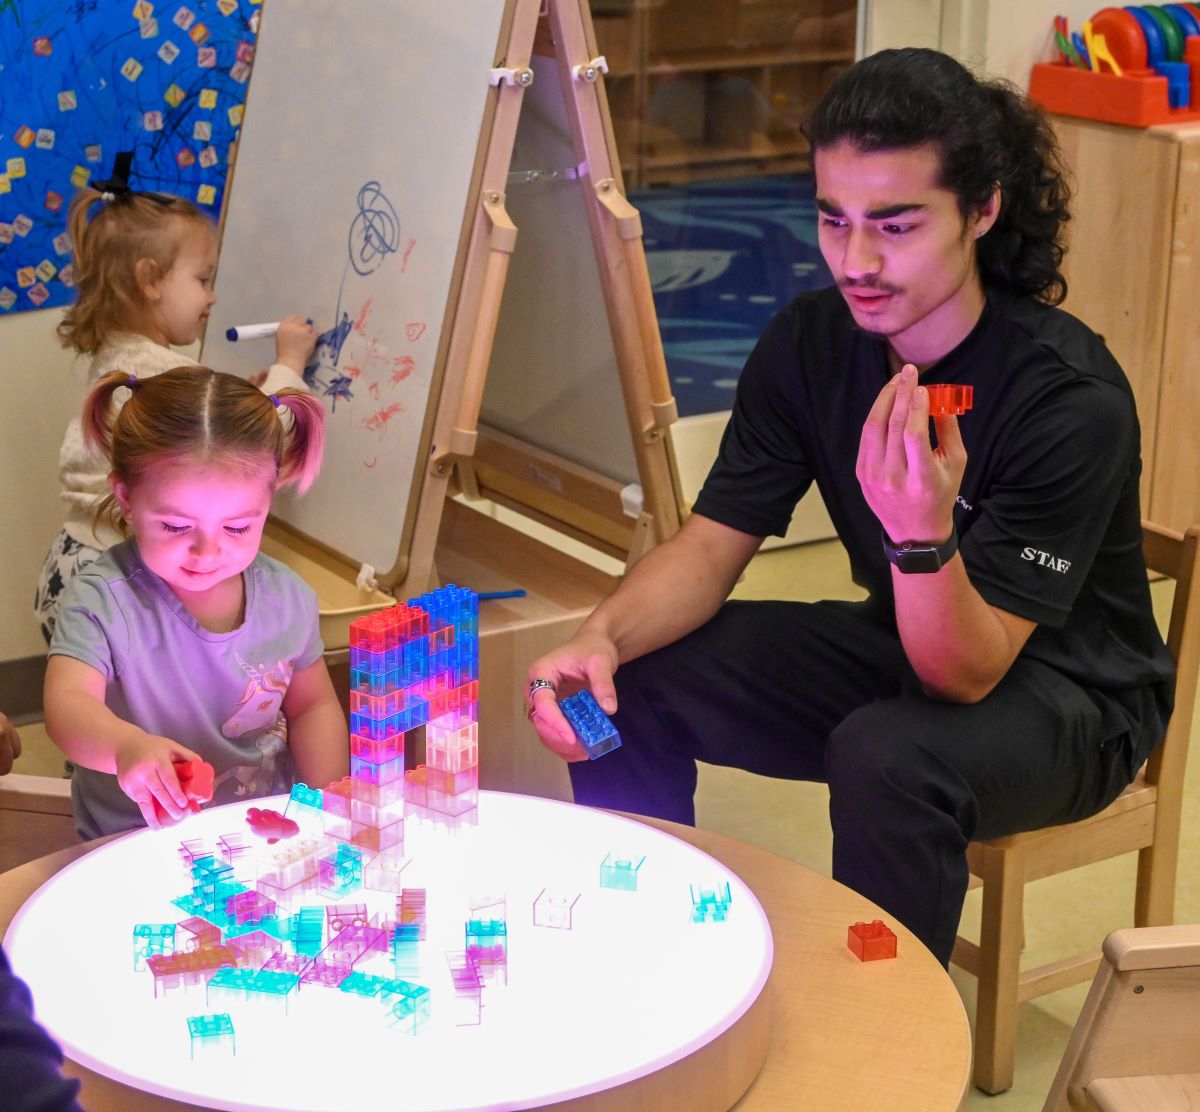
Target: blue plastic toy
column 592, row 726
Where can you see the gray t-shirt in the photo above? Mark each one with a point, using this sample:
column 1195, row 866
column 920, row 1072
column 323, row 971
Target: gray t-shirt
column 217, row 693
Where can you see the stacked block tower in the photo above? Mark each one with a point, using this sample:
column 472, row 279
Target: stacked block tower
column 415, row 664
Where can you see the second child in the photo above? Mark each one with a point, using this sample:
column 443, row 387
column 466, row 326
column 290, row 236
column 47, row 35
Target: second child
column 144, row 266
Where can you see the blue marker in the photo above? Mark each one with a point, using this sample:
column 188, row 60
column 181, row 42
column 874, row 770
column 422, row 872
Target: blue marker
column 501, row 594
column 251, row 331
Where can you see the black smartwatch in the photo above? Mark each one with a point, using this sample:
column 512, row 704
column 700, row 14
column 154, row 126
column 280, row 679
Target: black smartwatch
column 916, row 558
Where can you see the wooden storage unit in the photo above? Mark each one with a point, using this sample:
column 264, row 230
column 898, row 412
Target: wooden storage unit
column 1134, row 277
column 717, row 88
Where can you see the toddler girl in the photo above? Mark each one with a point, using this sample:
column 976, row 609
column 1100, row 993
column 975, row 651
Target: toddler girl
column 144, row 265
column 184, row 641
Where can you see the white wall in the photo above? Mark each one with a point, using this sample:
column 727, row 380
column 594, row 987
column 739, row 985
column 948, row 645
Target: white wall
column 41, row 387
column 1002, row 38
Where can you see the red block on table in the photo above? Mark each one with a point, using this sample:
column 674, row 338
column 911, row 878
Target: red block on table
column 946, row 399
column 871, row 941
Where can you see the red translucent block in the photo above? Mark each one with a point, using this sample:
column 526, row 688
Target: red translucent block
column 368, row 749
column 271, row 825
column 871, row 941
column 196, row 780
column 946, row 399
column 368, row 772
column 377, row 706
column 202, row 932
column 414, row 785
column 451, row 783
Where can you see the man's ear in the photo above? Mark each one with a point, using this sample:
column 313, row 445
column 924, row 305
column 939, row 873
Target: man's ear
column 121, row 493
column 988, row 213
column 148, row 275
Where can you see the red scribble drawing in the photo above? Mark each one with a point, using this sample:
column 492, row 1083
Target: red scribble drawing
column 373, row 462
column 360, row 325
column 407, row 251
column 414, row 331
column 378, row 420
column 375, row 353
column 402, row 367
column 352, row 369
column 374, row 390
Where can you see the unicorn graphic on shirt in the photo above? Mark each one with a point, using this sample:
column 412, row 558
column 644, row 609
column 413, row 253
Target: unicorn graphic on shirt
column 259, row 712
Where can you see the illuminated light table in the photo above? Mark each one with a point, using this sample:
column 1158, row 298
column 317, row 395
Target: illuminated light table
column 634, row 1004
column 843, row 1035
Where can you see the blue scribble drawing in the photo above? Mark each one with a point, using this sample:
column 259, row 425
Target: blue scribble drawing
column 375, row 231
column 374, row 235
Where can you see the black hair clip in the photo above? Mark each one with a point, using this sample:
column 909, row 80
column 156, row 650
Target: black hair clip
column 118, row 185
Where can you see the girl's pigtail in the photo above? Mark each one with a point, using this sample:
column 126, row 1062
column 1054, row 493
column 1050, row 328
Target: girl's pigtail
column 99, row 412
column 301, row 459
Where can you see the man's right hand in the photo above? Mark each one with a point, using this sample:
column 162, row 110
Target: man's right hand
column 587, row 660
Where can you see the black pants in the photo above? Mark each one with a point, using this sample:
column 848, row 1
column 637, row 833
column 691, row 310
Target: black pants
column 823, row 691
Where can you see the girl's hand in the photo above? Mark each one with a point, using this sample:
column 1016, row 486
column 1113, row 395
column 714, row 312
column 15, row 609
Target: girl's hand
column 146, row 774
column 294, row 342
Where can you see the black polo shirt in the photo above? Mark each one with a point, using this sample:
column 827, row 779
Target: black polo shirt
column 1048, row 512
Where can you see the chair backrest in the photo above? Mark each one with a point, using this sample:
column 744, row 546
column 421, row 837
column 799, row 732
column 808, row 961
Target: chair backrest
column 1141, row 1017
column 1177, row 556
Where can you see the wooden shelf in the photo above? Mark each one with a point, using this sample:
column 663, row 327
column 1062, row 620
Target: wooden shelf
column 717, row 152
column 697, row 61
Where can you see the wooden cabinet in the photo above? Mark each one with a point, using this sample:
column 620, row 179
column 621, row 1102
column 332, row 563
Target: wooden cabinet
column 717, row 88
column 1134, row 276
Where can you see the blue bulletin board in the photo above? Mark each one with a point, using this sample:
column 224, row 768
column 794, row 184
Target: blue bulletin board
column 81, row 80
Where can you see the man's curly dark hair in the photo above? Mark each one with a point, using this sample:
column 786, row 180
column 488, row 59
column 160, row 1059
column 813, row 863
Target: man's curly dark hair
column 986, row 132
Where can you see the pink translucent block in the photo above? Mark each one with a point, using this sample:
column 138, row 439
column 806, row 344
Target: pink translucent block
column 467, row 1005
column 255, row 948
column 366, row 772
column 191, row 850
column 327, row 973
column 287, row 865
column 377, row 706
column 188, row 968
column 340, row 916
column 232, row 846
column 202, row 932
column 452, row 783
column 447, row 804
column 382, row 872
column 353, row 944
column 451, row 760
column 386, row 749
column 335, row 799
column 279, row 962
column 554, row 909
column 376, row 839
column 414, row 785
column 410, row 907
column 251, row 907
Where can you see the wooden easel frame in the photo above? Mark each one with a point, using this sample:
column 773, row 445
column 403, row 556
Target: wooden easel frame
column 482, row 462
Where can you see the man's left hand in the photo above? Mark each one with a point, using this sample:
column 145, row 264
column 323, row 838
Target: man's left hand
column 910, row 485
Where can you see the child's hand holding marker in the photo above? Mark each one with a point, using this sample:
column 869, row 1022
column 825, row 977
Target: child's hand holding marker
column 295, row 338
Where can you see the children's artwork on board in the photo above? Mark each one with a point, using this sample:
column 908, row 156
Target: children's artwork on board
column 84, row 79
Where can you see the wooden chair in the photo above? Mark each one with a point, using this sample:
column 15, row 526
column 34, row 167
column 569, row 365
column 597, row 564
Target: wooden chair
column 1136, row 1044
column 1145, row 817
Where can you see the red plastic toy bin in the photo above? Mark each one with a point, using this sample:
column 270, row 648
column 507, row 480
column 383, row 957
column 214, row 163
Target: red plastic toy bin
column 1136, row 99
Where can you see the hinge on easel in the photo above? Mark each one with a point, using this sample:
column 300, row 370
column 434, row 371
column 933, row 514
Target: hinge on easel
column 522, row 76
column 590, row 71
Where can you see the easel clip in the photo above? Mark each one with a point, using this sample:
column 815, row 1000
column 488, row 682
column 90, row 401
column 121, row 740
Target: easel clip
column 522, row 76
column 589, row 71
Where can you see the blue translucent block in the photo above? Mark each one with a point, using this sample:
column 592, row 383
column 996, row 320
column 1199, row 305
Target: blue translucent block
column 307, row 930
column 375, row 664
column 305, row 796
column 591, row 725
column 152, row 938
column 211, row 1029
column 620, row 872
column 373, row 684
column 486, row 933
column 710, row 904
column 363, row 984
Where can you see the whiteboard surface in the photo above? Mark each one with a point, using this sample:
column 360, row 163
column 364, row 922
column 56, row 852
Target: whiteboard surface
column 347, row 205
column 553, row 379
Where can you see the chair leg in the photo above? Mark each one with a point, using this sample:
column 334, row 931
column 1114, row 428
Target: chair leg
column 1154, row 900
column 1000, row 939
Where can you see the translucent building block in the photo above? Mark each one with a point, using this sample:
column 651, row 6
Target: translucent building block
column 382, row 872
column 871, row 941
column 950, row 399
column 326, row 973
column 254, row 948
column 232, row 846
column 406, row 948
column 198, row 933
column 211, row 1031
column 554, row 909
column 354, row 943
column 363, row 984
column 188, row 968
column 191, row 850
column 452, row 783
column 410, row 907
column 447, row 804
column 307, row 931
column 304, row 796
column 341, row 872
column 414, row 786
column 377, row 751
column 152, row 938
column 368, row 772
column 467, row 1005
column 710, row 904
column 592, row 726
column 340, row 916
column 620, row 871
column 409, row 1005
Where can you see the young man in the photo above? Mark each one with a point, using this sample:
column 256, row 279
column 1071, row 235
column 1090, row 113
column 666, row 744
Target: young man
column 1005, row 672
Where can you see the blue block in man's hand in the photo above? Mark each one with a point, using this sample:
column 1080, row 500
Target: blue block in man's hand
column 592, row 726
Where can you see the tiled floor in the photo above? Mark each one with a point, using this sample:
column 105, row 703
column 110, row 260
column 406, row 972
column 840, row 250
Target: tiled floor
column 1069, row 913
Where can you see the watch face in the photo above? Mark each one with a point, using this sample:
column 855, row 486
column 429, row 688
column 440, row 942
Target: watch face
column 918, row 560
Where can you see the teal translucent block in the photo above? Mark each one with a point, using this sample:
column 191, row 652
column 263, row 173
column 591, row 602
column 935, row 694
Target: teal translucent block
column 409, row 1005
column 305, row 796
column 364, row 984
column 211, row 1030
column 710, row 904
column 620, row 872
column 152, row 938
